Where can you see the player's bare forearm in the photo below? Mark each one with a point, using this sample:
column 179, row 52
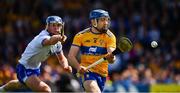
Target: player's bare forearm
column 53, row 40
column 62, row 60
column 72, row 56
column 74, row 62
column 64, row 63
column 76, row 65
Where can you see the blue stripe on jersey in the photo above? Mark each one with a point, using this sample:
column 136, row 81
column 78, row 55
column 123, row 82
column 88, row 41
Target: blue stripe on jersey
column 93, row 50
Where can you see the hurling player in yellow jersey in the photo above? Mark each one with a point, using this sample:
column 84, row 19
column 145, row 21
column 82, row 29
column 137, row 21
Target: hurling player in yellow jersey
column 93, row 43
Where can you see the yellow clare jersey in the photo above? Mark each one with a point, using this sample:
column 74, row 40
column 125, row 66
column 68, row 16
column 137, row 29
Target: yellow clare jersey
column 94, row 46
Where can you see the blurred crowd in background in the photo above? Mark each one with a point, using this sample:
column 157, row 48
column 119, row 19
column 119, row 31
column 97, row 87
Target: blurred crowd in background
column 140, row 20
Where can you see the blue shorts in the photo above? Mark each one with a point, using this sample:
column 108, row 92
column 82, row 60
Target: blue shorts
column 94, row 76
column 23, row 73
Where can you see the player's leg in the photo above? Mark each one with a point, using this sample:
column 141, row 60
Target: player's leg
column 29, row 77
column 12, row 85
column 93, row 82
column 34, row 83
column 91, row 86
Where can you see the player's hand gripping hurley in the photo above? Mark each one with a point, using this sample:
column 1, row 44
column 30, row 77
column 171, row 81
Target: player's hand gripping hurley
column 123, row 45
column 62, row 33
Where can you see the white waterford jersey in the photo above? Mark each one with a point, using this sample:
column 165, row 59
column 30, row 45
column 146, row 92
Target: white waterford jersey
column 35, row 52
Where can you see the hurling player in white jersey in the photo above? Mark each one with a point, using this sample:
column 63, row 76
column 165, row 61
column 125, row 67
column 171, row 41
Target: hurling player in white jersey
column 48, row 42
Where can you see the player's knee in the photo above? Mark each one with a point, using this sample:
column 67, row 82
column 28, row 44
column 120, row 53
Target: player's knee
column 91, row 86
column 46, row 89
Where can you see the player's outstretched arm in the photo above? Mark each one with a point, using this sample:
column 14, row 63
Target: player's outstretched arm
column 54, row 39
column 64, row 62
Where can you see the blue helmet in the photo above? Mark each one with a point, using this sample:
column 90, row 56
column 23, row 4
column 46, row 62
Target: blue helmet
column 54, row 19
column 95, row 14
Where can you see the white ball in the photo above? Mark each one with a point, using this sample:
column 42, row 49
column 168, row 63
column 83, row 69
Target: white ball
column 154, row 44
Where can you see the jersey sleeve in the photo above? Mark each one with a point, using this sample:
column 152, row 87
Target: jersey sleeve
column 77, row 40
column 41, row 38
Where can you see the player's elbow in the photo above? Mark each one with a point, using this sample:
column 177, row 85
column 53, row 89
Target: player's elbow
column 70, row 56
